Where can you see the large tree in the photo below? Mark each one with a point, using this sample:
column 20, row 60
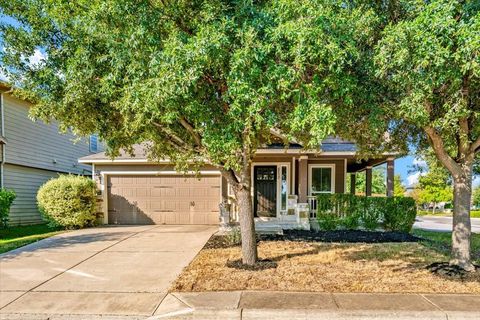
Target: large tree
column 409, row 73
column 199, row 80
column 430, row 60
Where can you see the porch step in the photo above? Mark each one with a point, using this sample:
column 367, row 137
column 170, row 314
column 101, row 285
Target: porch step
column 268, row 228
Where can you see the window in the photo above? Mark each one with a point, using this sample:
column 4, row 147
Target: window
column 93, row 143
column 321, row 179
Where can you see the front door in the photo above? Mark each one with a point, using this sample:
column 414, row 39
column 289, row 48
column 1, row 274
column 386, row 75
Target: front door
column 265, row 190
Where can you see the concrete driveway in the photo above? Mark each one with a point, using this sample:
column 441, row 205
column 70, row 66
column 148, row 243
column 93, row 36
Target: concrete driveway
column 441, row 223
column 104, row 271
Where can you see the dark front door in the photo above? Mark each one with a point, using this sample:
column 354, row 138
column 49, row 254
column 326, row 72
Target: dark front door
column 265, row 190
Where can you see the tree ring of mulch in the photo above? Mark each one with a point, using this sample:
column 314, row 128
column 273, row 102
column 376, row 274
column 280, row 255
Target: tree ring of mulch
column 448, row 270
column 260, row 265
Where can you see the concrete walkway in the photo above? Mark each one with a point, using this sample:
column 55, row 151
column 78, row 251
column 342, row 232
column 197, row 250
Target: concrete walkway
column 100, row 271
column 441, row 223
column 297, row 305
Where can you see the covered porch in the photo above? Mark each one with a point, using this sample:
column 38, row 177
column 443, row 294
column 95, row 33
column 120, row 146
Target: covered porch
column 285, row 186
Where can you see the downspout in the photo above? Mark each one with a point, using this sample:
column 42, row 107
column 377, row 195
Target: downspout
column 2, row 115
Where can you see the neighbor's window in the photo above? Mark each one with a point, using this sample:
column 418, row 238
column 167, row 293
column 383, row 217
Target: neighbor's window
column 284, row 188
column 93, row 143
column 321, row 180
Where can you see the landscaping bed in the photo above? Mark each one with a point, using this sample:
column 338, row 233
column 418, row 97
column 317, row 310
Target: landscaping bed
column 296, row 261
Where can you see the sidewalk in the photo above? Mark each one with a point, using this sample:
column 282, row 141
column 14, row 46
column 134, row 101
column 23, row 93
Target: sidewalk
column 295, row 305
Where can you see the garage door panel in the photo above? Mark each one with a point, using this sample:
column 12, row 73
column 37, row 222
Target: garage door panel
column 163, row 200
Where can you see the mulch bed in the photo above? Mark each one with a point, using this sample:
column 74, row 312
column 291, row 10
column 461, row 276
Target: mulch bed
column 445, row 269
column 346, row 236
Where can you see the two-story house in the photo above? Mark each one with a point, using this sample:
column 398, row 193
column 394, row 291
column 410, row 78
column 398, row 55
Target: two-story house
column 34, row 152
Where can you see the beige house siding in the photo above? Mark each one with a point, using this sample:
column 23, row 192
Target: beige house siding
column 25, row 181
column 35, row 152
column 40, row 145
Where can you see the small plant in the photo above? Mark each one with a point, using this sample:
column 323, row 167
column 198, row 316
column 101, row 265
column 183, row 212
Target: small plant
column 68, row 201
column 327, row 221
column 6, row 199
column 351, row 221
column 234, row 237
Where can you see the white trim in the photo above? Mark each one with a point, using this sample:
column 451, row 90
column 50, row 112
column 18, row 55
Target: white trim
column 345, row 177
column 105, row 193
column 93, row 171
column 165, row 172
column 294, row 167
column 121, row 161
column 318, row 152
column 332, row 179
column 278, row 165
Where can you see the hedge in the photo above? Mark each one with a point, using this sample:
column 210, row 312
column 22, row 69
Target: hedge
column 6, row 199
column 352, row 212
column 68, row 201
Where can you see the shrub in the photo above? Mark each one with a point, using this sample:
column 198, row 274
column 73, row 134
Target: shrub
column 327, row 221
column 400, row 214
column 68, row 201
column 6, row 199
column 351, row 212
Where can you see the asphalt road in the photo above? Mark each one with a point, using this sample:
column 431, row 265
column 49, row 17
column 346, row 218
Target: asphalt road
column 441, row 223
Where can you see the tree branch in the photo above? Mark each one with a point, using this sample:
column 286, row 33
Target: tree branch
column 475, row 147
column 179, row 142
column 191, row 130
column 438, row 146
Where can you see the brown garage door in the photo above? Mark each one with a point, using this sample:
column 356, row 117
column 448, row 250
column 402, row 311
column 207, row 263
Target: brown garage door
column 163, row 199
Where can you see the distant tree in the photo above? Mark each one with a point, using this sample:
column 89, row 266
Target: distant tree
column 476, row 197
column 399, row 189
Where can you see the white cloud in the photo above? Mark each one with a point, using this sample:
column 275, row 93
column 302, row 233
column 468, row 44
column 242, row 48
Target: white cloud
column 419, row 162
column 37, row 58
column 412, row 179
column 3, row 76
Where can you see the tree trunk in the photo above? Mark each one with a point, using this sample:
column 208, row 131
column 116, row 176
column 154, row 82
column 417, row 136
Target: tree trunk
column 434, row 205
column 462, row 193
column 247, row 226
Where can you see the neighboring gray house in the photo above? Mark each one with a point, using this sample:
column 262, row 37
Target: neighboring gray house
column 34, row 152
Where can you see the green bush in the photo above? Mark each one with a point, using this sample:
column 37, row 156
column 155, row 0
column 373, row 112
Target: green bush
column 327, row 221
column 350, row 212
column 68, row 201
column 400, row 214
column 6, row 199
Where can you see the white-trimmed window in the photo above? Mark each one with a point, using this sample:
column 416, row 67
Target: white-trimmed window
column 93, row 142
column 321, row 178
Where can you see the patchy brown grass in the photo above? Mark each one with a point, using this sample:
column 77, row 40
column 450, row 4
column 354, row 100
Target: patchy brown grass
column 329, row 267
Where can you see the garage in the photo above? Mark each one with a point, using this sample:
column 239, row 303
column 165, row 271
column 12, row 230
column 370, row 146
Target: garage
column 163, row 199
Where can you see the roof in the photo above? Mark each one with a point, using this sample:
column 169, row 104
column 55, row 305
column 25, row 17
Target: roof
column 331, row 145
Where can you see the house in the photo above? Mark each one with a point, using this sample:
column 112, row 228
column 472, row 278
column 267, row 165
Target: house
column 138, row 191
column 34, row 152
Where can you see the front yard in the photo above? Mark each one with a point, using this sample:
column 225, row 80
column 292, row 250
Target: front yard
column 18, row 236
column 331, row 267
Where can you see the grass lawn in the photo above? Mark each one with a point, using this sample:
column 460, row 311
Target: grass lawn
column 18, row 236
column 332, row 267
